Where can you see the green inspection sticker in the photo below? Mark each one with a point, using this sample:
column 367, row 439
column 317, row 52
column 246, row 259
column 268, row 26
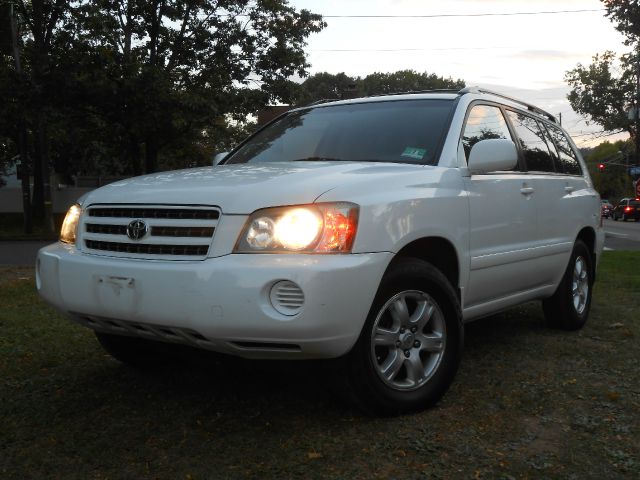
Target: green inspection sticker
column 417, row 153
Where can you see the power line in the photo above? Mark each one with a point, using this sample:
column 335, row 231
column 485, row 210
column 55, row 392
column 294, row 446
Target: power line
column 411, row 49
column 454, row 15
column 439, row 15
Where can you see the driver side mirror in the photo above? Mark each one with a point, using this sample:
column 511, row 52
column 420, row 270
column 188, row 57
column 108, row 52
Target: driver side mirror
column 494, row 154
column 219, row 157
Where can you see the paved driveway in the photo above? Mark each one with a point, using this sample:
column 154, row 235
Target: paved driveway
column 20, row 253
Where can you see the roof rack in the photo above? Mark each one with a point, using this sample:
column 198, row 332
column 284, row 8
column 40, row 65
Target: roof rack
column 529, row 107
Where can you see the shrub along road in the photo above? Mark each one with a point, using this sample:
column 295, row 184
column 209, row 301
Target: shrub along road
column 528, row 402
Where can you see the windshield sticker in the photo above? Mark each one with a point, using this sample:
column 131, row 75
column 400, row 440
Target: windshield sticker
column 417, row 153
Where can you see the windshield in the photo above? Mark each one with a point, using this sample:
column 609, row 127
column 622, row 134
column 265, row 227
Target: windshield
column 402, row 131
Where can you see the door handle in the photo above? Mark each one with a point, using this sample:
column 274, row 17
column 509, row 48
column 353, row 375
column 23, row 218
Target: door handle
column 527, row 190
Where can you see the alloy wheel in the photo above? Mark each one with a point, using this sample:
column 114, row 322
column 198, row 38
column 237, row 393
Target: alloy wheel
column 408, row 340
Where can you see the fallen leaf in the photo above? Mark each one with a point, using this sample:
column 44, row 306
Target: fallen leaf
column 613, row 396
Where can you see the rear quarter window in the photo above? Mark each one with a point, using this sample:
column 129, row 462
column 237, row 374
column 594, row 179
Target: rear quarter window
column 568, row 159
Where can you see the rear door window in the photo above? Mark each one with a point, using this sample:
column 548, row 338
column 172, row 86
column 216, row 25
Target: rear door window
column 531, row 138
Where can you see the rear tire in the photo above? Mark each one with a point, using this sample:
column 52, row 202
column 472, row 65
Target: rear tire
column 136, row 352
column 411, row 344
column 568, row 308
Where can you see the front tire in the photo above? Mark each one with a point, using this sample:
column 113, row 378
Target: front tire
column 568, row 308
column 410, row 346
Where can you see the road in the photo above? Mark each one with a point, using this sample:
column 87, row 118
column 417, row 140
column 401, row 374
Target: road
column 619, row 236
column 622, row 235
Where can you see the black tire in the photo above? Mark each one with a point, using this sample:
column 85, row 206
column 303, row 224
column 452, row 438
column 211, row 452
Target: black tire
column 560, row 310
column 615, row 219
column 136, row 352
column 423, row 284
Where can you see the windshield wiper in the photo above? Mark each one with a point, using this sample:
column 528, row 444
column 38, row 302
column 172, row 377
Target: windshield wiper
column 317, row 159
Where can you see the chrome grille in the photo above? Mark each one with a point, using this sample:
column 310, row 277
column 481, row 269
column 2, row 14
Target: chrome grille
column 171, row 232
column 162, row 212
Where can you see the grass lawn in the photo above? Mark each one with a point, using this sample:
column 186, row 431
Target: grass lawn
column 528, row 402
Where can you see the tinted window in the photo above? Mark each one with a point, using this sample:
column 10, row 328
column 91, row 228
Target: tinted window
column 407, row 131
column 568, row 158
column 484, row 122
column 634, row 202
column 532, row 142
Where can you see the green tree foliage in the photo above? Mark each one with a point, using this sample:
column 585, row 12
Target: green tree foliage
column 606, row 90
column 613, row 182
column 626, row 15
column 126, row 86
column 602, row 94
column 324, row 86
column 172, row 67
column 406, row 81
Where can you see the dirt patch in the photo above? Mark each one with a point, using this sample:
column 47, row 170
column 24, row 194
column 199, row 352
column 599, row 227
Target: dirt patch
column 10, row 274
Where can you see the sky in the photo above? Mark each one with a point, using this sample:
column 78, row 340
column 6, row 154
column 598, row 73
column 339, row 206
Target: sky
column 525, row 56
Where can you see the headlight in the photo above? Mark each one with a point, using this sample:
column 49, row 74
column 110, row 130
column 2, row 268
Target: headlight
column 70, row 224
column 318, row 228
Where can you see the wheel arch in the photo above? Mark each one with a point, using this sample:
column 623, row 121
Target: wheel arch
column 439, row 252
column 588, row 236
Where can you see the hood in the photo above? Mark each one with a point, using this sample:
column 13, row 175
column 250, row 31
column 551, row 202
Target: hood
column 241, row 189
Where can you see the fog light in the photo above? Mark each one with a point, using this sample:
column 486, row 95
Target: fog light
column 286, row 297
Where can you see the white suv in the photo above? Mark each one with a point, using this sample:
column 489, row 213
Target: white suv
column 368, row 230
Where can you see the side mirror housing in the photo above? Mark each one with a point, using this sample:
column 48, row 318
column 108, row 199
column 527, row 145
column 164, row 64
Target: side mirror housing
column 219, row 157
column 492, row 155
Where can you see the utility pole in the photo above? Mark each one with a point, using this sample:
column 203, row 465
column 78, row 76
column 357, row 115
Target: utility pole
column 637, row 111
column 23, row 170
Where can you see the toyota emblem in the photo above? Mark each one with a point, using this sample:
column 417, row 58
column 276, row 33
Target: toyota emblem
column 136, row 230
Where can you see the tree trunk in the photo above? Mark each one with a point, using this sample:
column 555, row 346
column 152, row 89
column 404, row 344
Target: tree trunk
column 22, row 133
column 43, row 142
column 133, row 155
column 41, row 176
column 151, row 155
column 38, row 184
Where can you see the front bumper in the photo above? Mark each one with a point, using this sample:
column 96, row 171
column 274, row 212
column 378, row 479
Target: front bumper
column 221, row 304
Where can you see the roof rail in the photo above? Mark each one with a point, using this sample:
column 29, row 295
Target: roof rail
column 529, row 107
column 322, row 100
column 409, row 92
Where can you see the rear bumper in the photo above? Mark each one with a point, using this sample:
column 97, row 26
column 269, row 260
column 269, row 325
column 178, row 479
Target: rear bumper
column 222, row 304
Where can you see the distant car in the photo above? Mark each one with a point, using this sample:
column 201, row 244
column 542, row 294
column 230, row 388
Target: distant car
column 606, row 209
column 626, row 209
